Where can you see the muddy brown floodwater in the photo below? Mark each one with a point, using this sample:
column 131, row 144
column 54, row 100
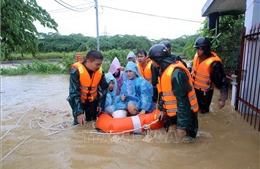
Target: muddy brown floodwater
column 37, row 132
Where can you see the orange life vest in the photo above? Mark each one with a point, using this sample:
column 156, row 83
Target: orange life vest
column 88, row 85
column 201, row 74
column 165, row 88
column 146, row 72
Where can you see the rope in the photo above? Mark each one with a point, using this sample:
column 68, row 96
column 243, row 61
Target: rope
column 57, row 127
column 54, row 128
column 14, row 148
column 55, row 132
column 145, row 126
column 17, row 121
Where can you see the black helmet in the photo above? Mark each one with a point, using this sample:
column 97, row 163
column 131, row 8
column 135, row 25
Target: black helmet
column 157, row 53
column 203, row 43
column 166, row 44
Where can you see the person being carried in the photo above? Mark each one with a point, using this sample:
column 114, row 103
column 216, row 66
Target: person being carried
column 111, row 93
column 87, row 88
column 208, row 72
column 136, row 92
column 117, row 71
column 148, row 71
column 178, row 100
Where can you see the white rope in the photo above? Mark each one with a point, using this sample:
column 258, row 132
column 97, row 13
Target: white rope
column 55, row 132
column 53, row 128
column 14, row 148
column 145, row 126
column 17, row 121
column 57, row 127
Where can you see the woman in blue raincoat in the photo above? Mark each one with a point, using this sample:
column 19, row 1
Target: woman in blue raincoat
column 111, row 93
column 136, row 92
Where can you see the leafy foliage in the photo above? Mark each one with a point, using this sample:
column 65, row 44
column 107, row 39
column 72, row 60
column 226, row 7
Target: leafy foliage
column 19, row 37
column 18, row 32
column 228, row 42
column 54, row 42
column 37, row 67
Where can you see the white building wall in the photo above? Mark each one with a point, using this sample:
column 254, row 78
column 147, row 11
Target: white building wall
column 252, row 15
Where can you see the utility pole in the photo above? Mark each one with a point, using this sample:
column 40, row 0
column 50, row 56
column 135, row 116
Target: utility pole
column 96, row 6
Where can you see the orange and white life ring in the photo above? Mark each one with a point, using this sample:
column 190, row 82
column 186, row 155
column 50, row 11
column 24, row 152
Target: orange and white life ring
column 137, row 124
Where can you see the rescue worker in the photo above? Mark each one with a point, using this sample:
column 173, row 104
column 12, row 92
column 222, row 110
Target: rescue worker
column 148, row 71
column 207, row 73
column 168, row 45
column 177, row 97
column 87, row 88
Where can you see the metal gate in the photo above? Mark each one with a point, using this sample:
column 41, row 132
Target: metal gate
column 248, row 97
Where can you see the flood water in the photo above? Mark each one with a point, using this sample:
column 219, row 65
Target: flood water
column 37, row 132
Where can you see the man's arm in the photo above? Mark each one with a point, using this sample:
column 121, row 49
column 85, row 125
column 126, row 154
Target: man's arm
column 74, row 93
column 155, row 75
column 218, row 77
column 181, row 88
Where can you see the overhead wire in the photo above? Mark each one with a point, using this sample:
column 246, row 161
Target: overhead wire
column 140, row 13
column 76, row 9
column 72, row 7
column 66, row 9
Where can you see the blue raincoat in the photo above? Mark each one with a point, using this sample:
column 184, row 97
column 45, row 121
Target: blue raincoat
column 138, row 91
column 111, row 95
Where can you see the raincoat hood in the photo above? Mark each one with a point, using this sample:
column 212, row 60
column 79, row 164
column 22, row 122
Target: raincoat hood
column 115, row 65
column 132, row 66
column 111, row 95
column 131, row 55
column 110, row 77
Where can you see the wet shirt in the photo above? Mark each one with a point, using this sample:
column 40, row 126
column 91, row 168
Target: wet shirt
column 219, row 79
column 155, row 75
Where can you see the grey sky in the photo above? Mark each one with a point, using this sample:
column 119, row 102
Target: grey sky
column 112, row 21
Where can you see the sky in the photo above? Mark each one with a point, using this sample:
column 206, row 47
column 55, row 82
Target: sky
column 180, row 17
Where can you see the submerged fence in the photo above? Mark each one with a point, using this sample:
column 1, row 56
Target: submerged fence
column 248, row 97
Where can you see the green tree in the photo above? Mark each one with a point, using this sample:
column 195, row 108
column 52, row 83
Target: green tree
column 18, row 32
column 227, row 43
column 54, row 42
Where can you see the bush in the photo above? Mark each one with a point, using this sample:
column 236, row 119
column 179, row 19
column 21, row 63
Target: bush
column 36, row 67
